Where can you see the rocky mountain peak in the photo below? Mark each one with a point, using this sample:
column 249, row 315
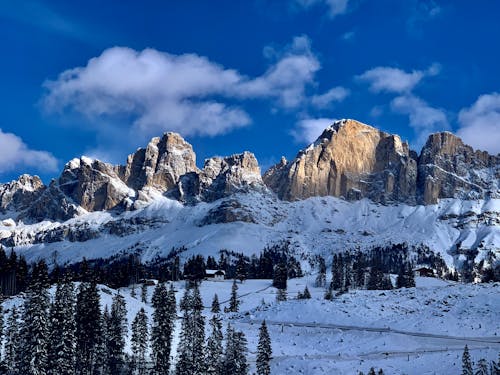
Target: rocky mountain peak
column 351, row 160
column 17, row 195
column 448, row 168
column 354, row 160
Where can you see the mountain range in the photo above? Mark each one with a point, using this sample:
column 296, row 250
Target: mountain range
column 354, row 187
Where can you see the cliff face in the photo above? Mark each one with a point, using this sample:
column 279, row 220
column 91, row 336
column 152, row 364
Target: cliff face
column 354, row 161
column 450, row 169
column 349, row 160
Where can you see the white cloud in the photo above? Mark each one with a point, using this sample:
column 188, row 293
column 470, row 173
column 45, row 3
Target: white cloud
column 480, row 123
column 335, row 7
column 286, row 79
column 308, row 130
column 424, row 119
column 14, row 153
column 186, row 93
column 336, row 94
column 388, row 79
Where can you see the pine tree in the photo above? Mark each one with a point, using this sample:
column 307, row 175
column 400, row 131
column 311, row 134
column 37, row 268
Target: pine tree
column 164, row 315
column 380, row 372
column 466, row 362
column 337, row 266
column 241, row 269
column 144, row 293
column 482, row 367
column 215, row 305
column 116, row 331
column 34, row 329
column 495, row 366
column 214, row 351
column 264, row 351
column 235, row 362
column 191, row 346
column 89, row 333
column 280, row 275
column 234, row 302
column 12, row 342
column 321, row 278
column 139, row 342
column 372, row 371
column 281, row 295
column 306, row 294
column 62, row 338
column 133, row 293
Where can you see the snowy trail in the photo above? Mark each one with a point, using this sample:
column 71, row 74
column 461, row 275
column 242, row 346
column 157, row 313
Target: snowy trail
column 242, row 295
column 489, row 340
column 375, row 354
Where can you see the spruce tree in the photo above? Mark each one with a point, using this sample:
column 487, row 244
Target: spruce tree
column 116, row 331
column 280, row 275
column 482, row 367
column 466, row 362
column 12, row 342
column 164, row 315
column 191, row 346
column 144, row 293
column 89, row 333
column 35, row 327
column 62, row 337
column 234, row 302
column 264, row 351
column 372, row 371
column 235, row 362
column 321, row 278
column 214, row 350
column 139, row 342
column 215, row 305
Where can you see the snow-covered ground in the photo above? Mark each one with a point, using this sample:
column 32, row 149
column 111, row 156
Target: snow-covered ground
column 420, row 330
column 319, row 225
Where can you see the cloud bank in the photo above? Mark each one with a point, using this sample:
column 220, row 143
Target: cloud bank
column 14, row 153
column 187, row 93
column 394, row 80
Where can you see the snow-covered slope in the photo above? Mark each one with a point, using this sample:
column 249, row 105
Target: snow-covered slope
column 420, row 330
column 247, row 222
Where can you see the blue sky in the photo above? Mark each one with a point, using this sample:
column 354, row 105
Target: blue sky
column 101, row 78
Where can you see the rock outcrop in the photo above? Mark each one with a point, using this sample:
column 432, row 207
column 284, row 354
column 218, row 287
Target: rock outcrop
column 350, row 160
column 93, row 185
column 355, row 161
column 160, row 165
column 450, row 169
column 18, row 195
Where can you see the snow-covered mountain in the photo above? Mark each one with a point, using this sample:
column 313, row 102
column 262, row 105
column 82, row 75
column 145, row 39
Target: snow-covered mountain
column 355, row 187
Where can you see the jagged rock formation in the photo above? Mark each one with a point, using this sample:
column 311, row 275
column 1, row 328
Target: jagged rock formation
column 160, row 164
column 18, row 195
column 354, row 161
column 166, row 166
column 350, row 160
column 449, row 168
